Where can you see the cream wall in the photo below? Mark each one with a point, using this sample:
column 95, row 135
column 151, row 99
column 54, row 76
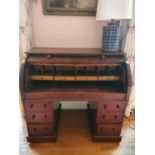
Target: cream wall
column 64, row 31
column 59, row 31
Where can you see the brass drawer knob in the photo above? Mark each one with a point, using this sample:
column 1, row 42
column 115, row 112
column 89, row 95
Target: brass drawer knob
column 48, row 56
column 117, row 106
column 103, row 116
column 105, row 106
column 31, row 105
column 113, row 129
column 33, row 116
column 45, row 105
column 115, row 116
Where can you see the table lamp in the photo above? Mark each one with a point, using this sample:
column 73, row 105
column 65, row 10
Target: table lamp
column 113, row 10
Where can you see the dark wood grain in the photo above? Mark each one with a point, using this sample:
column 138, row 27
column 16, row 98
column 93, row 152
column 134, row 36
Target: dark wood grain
column 71, row 51
column 66, row 61
column 50, row 75
column 71, row 96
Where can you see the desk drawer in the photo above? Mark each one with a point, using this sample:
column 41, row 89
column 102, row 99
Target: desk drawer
column 40, row 129
column 108, row 130
column 110, row 117
column 34, row 105
column 115, row 106
column 38, row 117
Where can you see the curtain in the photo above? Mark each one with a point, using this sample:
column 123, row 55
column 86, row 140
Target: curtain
column 25, row 34
column 129, row 49
column 25, row 28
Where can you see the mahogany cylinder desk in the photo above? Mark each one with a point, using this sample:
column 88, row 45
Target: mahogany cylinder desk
column 51, row 75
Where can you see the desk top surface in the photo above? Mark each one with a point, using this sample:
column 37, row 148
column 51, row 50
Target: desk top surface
column 71, row 51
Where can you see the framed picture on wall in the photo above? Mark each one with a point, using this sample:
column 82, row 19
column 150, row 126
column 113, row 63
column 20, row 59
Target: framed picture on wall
column 70, row 7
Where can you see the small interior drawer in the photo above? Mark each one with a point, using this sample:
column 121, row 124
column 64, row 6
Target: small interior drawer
column 36, row 117
column 40, row 129
column 108, row 130
column 34, row 105
column 86, row 78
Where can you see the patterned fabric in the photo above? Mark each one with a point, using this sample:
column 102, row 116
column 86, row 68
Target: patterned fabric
column 130, row 53
column 25, row 28
column 129, row 49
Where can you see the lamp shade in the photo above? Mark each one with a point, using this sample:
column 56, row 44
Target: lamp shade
column 114, row 9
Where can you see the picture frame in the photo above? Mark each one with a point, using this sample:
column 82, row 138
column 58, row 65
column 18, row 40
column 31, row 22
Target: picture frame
column 69, row 7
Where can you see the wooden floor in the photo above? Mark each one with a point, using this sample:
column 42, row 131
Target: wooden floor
column 74, row 138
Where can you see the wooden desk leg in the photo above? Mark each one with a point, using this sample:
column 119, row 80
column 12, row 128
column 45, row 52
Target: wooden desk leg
column 96, row 135
column 48, row 138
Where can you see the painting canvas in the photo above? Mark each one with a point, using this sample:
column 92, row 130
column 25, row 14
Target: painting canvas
column 70, row 7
